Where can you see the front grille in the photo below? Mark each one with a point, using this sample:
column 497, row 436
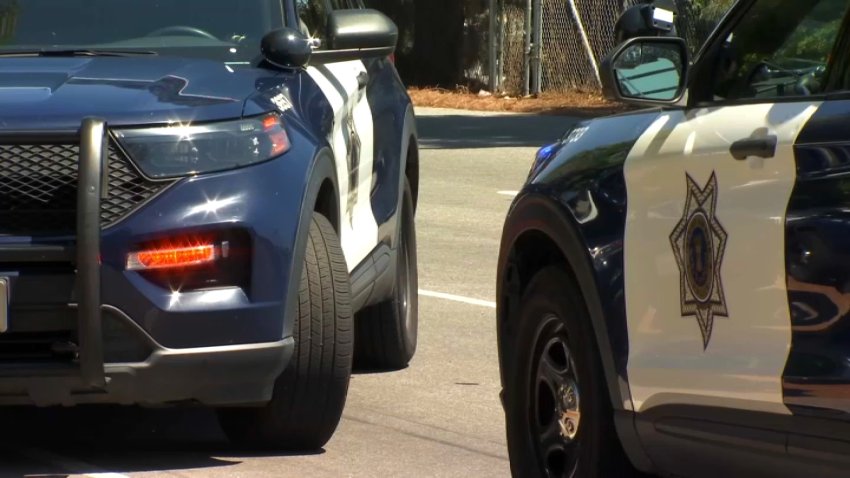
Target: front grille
column 49, row 334
column 36, row 347
column 38, row 189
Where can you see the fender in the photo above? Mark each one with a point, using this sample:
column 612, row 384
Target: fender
column 323, row 168
column 539, row 214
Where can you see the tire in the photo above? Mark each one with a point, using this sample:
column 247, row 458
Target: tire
column 558, row 373
column 386, row 334
column 310, row 394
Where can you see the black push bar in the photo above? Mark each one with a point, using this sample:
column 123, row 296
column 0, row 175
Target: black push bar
column 92, row 175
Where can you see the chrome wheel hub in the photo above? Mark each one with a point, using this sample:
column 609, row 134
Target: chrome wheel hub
column 570, row 416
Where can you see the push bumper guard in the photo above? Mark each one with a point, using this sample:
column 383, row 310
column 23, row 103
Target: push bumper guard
column 92, row 177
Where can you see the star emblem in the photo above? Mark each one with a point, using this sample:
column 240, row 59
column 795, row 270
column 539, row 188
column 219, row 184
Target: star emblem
column 699, row 242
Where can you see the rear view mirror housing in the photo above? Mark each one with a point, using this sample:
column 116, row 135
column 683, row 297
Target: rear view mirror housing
column 646, row 71
column 352, row 35
column 286, row 48
column 356, row 34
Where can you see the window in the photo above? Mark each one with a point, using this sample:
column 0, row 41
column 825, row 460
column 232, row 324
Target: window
column 313, row 16
column 780, row 48
column 228, row 30
column 703, row 16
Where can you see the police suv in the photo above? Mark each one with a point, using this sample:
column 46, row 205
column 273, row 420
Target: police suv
column 674, row 283
column 196, row 198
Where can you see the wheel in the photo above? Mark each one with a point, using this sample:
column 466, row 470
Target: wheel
column 559, row 421
column 386, row 334
column 309, row 395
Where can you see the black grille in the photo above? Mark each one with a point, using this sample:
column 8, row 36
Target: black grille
column 38, row 189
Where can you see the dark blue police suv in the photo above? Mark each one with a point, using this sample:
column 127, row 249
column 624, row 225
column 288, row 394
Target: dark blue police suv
column 204, row 201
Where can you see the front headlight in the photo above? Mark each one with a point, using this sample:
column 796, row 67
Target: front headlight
column 181, row 150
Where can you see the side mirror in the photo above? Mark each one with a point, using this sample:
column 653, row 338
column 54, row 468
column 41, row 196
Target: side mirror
column 357, row 34
column 646, row 71
column 286, row 48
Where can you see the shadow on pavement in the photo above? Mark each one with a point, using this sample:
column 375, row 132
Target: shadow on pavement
column 458, row 131
column 121, row 439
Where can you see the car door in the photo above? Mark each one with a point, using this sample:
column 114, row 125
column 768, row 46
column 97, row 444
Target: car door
column 708, row 190
column 344, row 85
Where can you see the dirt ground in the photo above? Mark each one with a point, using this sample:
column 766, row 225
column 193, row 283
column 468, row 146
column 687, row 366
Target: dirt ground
column 571, row 104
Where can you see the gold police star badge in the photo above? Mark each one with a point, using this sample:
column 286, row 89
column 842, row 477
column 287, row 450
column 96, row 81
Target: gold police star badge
column 699, row 242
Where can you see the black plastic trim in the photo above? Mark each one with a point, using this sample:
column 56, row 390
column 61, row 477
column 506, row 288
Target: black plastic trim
column 38, row 253
column 334, row 56
column 93, row 154
column 699, row 440
column 38, row 137
column 361, row 29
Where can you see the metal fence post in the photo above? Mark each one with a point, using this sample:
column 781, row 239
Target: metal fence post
column 537, row 55
column 586, row 42
column 492, row 47
column 526, row 58
column 502, row 21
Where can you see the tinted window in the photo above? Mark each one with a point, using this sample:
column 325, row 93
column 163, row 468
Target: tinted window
column 229, row 30
column 780, row 48
column 700, row 18
column 313, row 16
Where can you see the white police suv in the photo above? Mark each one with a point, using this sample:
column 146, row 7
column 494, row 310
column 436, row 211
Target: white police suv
column 674, row 283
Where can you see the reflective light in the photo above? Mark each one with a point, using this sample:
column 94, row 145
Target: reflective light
column 219, row 296
column 212, row 206
column 166, row 258
column 173, row 299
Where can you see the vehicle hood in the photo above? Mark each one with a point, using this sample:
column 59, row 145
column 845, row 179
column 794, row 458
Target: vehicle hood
column 56, row 93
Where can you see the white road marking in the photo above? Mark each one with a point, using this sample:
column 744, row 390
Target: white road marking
column 68, row 465
column 508, row 193
column 458, row 298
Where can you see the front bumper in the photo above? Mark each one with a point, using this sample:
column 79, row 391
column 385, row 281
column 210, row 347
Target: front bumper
column 133, row 341
column 215, row 376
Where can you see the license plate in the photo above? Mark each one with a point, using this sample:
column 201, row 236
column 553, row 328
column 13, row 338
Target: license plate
column 4, row 304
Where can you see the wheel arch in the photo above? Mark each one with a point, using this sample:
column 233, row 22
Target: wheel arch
column 539, row 234
column 327, row 202
column 319, row 196
column 411, row 168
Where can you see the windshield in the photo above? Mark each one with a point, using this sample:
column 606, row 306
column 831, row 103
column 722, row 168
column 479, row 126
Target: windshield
column 225, row 30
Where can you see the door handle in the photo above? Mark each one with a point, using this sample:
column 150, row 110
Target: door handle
column 761, row 147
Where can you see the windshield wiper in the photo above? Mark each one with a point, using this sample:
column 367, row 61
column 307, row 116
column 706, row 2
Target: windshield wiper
column 75, row 52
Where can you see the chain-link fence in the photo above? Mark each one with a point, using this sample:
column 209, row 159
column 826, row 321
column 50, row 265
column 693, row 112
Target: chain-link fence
column 513, row 58
column 557, row 45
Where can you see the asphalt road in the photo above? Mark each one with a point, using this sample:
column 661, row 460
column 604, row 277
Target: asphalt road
column 440, row 417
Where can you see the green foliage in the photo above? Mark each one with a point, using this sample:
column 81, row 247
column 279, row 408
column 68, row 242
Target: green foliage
column 8, row 19
column 712, row 10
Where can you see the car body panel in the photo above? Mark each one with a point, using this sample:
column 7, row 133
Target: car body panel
column 760, row 389
column 182, row 332
column 581, row 182
column 681, row 173
column 52, row 93
column 817, row 376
